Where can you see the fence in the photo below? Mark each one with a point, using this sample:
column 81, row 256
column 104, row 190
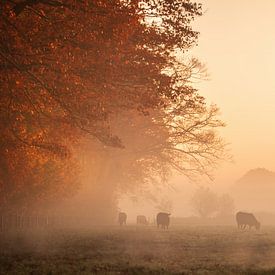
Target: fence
column 10, row 222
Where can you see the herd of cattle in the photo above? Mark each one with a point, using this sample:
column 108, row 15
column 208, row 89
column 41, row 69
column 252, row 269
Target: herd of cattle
column 163, row 220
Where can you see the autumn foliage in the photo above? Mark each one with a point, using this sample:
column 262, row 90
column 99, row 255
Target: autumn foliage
column 99, row 70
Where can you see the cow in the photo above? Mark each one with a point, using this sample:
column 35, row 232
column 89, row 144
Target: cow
column 122, row 217
column 163, row 220
column 247, row 219
column 142, row 220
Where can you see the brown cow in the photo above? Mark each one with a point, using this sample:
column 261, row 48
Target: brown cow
column 243, row 219
column 142, row 220
column 122, row 217
column 163, row 219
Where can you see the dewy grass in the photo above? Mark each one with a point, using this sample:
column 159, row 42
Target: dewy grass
column 136, row 250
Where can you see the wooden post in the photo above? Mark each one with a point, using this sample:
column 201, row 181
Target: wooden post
column 1, row 224
column 22, row 222
column 28, row 221
column 16, row 220
column 47, row 220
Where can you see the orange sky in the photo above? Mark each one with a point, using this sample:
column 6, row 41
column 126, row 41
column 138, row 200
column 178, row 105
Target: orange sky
column 237, row 43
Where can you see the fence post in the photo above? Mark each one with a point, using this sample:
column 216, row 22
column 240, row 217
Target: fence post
column 1, row 223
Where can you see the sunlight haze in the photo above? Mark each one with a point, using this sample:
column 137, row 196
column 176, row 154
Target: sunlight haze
column 236, row 42
column 137, row 137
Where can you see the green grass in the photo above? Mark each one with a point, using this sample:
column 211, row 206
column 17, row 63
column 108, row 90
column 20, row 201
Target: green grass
column 139, row 250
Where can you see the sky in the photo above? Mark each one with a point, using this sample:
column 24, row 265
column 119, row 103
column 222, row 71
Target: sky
column 237, row 44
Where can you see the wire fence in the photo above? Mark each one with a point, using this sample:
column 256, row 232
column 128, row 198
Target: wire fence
column 11, row 222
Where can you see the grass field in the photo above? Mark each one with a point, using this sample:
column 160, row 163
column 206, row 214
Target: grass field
column 140, row 250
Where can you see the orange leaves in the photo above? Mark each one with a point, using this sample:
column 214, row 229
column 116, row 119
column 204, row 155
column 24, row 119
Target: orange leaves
column 68, row 69
column 52, row 45
column 35, row 178
column 12, row 14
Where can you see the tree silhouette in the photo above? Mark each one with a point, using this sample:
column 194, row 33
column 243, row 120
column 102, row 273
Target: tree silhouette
column 71, row 69
column 204, row 202
column 226, row 205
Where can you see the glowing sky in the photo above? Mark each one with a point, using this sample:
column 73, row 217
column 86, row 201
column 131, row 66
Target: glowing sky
column 237, row 43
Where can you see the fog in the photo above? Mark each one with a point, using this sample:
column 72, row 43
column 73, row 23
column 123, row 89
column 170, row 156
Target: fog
column 131, row 109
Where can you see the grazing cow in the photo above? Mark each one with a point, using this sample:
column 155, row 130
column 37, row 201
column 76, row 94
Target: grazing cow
column 163, row 219
column 142, row 220
column 243, row 219
column 122, row 217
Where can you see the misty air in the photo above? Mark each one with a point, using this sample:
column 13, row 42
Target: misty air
column 137, row 137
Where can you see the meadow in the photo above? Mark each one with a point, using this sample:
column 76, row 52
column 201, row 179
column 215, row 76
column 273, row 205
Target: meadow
column 139, row 250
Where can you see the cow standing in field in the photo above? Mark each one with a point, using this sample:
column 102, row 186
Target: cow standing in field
column 142, row 220
column 247, row 219
column 163, row 220
column 122, row 217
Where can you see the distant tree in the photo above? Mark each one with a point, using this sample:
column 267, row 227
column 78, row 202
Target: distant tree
column 226, row 205
column 204, row 202
column 255, row 190
column 165, row 205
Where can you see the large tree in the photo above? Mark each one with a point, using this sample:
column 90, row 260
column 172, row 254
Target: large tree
column 76, row 62
column 73, row 68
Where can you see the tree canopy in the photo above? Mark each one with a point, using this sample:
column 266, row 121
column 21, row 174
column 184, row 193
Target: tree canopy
column 103, row 70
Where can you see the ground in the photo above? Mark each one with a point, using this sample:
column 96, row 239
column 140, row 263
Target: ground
column 139, row 250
